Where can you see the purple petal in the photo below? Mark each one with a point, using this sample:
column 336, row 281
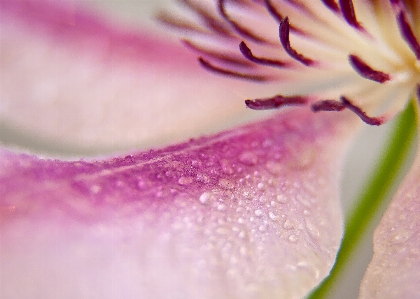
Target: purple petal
column 249, row 213
column 394, row 269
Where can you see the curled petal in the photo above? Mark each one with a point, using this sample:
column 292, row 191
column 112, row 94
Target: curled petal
column 249, row 213
column 393, row 271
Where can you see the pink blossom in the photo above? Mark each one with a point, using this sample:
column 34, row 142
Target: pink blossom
column 251, row 212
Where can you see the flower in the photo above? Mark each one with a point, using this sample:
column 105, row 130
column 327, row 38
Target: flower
column 356, row 55
column 252, row 212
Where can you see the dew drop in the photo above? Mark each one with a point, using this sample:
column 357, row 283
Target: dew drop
column 141, row 184
column 272, row 216
column 226, row 184
column 202, row 178
column 205, row 197
column 293, row 238
column 222, row 230
column 95, row 189
column 185, row 180
column 304, row 201
column 262, row 228
column 226, row 167
column 221, row 207
column 312, row 229
column 260, row 185
column 302, row 158
column 281, row 198
column 288, row 224
column 248, row 158
column 274, row 167
column 259, row 213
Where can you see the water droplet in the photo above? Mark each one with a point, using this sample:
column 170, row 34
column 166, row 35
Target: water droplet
column 226, row 167
column 248, row 158
column 242, row 234
column 221, row 207
column 205, row 197
column 306, row 212
column 141, row 183
column 302, row 155
column 259, row 213
column 274, row 167
column 226, row 184
column 260, row 185
column 185, row 180
column 222, row 230
column 281, row 198
column 303, row 200
column 202, row 178
column 288, row 224
column 293, row 238
column 262, row 228
column 241, row 220
column 95, row 189
column 272, row 216
column 312, row 229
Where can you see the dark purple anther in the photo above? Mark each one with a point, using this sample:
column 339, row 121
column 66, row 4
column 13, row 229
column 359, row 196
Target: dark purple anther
column 364, row 70
column 247, row 53
column 332, row 5
column 284, row 32
column 349, row 14
column 207, row 65
column 408, row 35
column 327, row 105
column 276, row 102
column 373, row 121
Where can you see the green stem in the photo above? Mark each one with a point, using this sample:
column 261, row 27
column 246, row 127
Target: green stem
column 376, row 192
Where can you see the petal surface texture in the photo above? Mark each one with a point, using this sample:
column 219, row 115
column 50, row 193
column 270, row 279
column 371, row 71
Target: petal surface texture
column 71, row 79
column 249, row 213
column 394, row 269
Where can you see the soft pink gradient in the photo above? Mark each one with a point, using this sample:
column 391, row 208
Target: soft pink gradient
column 394, row 269
column 249, row 213
column 73, row 79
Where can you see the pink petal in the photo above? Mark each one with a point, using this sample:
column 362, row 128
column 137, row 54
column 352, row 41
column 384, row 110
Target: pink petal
column 72, row 79
column 394, row 269
column 249, row 213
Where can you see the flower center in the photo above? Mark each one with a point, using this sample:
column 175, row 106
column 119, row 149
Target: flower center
column 355, row 55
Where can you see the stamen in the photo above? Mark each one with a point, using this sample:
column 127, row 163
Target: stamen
column 349, row 14
column 273, row 11
column 207, row 65
column 170, row 20
column 327, row 105
column 408, row 35
column 364, row 70
column 211, row 22
column 244, row 32
column 246, row 51
column 284, row 33
column 373, row 121
column 227, row 58
column 332, row 5
column 276, row 102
